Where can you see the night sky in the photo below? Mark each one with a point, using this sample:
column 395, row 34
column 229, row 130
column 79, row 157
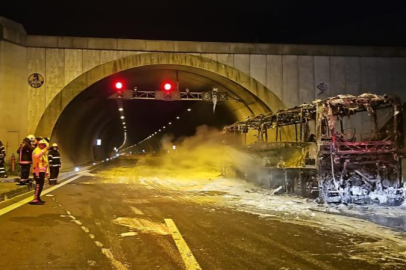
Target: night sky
column 268, row 21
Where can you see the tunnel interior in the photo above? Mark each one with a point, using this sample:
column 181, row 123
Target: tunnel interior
column 93, row 116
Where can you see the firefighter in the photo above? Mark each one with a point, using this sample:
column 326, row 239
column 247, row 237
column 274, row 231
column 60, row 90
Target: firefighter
column 2, row 159
column 54, row 159
column 33, row 140
column 25, row 160
column 40, row 167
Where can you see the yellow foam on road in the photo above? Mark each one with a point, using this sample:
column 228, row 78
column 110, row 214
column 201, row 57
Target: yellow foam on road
column 187, row 256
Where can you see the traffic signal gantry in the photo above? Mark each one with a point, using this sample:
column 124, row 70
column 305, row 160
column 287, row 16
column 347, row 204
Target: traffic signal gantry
column 170, row 92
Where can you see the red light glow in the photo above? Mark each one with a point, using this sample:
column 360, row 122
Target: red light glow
column 168, row 86
column 119, row 85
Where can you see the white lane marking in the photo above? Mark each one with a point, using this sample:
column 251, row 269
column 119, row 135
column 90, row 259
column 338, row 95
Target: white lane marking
column 78, row 222
column 128, row 234
column 91, row 263
column 27, row 200
column 137, row 211
column 86, row 173
column 143, row 225
column 118, row 265
column 107, row 252
column 187, row 255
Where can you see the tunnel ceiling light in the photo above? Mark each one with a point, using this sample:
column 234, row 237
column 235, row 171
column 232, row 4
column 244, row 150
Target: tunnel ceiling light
column 156, row 133
column 122, row 117
column 120, row 109
column 164, row 127
column 77, row 169
column 178, row 117
column 189, row 110
column 123, row 123
column 159, row 130
column 169, row 123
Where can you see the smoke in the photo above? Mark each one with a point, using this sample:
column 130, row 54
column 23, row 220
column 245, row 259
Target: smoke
column 201, row 156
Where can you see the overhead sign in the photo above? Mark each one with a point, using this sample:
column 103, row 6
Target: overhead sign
column 36, row 80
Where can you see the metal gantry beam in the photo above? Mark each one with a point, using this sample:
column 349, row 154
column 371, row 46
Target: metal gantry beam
column 211, row 96
column 192, row 96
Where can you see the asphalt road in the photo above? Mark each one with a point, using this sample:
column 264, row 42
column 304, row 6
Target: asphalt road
column 115, row 219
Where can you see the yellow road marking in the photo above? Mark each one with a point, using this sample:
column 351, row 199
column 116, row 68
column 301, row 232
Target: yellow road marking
column 187, row 256
column 27, row 200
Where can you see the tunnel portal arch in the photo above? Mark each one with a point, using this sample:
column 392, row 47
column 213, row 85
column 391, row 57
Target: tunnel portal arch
column 264, row 99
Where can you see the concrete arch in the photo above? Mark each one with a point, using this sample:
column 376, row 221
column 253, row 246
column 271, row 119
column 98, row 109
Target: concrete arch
column 266, row 100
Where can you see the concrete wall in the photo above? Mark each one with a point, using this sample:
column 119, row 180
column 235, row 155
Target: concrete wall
column 292, row 78
column 14, row 95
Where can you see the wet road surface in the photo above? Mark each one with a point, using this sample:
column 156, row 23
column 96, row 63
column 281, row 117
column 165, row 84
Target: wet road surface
column 113, row 218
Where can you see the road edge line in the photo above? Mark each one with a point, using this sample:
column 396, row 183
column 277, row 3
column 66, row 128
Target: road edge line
column 185, row 252
column 27, row 200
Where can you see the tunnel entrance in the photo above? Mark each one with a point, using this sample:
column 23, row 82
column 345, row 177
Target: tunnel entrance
column 84, row 116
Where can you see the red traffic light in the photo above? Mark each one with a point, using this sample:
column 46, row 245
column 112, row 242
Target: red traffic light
column 168, row 87
column 119, row 85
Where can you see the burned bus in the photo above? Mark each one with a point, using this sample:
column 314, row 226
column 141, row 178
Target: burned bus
column 345, row 149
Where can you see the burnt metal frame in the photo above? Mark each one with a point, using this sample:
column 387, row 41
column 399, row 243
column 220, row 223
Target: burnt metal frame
column 330, row 149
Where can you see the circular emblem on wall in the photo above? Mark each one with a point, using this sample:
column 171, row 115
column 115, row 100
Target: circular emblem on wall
column 36, row 80
column 322, row 87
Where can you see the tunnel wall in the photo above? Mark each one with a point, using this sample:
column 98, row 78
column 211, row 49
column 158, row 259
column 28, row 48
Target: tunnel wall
column 89, row 117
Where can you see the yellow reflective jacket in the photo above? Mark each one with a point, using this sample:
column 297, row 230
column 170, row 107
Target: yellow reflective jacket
column 40, row 160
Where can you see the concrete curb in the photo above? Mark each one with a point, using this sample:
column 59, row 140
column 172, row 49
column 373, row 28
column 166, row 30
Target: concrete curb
column 15, row 192
column 27, row 188
column 8, row 180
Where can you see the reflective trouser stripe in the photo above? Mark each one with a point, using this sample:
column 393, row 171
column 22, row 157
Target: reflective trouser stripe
column 36, row 192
